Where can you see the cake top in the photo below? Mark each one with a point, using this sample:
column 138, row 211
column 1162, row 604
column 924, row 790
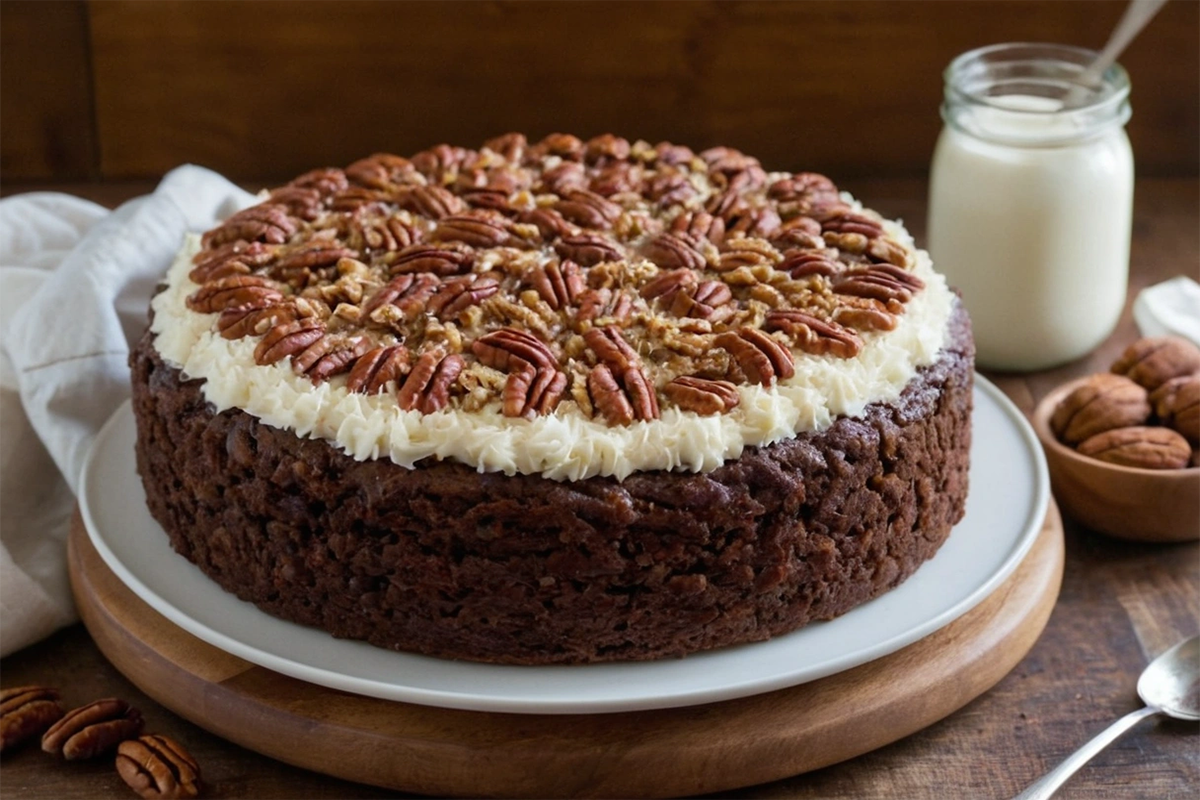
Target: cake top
column 601, row 281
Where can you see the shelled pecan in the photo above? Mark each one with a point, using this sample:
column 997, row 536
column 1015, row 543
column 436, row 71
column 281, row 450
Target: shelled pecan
column 761, row 358
column 93, row 729
column 26, row 712
column 158, row 768
column 813, row 335
column 702, row 395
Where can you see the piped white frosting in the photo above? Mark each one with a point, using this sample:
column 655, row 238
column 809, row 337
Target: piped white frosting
column 565, row 445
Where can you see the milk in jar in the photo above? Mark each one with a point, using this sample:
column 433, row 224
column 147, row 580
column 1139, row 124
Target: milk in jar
column 1030, row 206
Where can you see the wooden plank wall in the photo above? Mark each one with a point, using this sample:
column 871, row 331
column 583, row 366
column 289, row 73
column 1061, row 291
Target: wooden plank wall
column 116, row 90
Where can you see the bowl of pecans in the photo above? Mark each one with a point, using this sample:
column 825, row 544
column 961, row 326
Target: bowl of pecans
column 1122, row 445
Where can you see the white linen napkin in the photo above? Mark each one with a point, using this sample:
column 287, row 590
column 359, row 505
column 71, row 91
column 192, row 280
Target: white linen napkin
column 75, row 285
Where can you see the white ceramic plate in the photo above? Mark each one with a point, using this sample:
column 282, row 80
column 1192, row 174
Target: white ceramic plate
column 1009, row 494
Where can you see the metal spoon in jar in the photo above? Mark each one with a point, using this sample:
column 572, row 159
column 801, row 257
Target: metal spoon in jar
column 1170, row 685
column 1137, row 16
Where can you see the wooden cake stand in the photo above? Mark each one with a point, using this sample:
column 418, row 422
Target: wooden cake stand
column 669, row 752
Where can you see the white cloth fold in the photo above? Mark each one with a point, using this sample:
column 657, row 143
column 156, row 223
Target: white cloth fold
column 75, row 284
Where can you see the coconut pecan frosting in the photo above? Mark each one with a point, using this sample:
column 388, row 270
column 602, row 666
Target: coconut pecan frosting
column 625, row 278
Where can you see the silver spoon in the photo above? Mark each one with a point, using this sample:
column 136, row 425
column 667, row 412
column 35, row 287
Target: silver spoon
column 1170, row 685
column 1137, row 16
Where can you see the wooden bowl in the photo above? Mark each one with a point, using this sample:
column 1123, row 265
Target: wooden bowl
column 1144, row 505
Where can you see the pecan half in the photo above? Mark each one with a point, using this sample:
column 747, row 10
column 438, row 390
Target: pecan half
column 695, row 227
column 611, row 348
column 801, row 186
column 710, row 300
column 608, row 397
column 605, row 148
column 511, row 145
column 441, row 159
column 1155, row 360
column 666, row 284
column 563, row 145
column 26, row 712
column 265, row 222
column 852, row 222
column 380, row 171
column 617, row 178
column 745, row 251
column 529, row 392
column 326, row 181
column 231, row 258
column 501, row 349
column 594, row 304
column 92, row 730
column 456, row 295
column 669, row 251
column 761, row 358
column 329, row 356
column 588, row 209
column 886, row 283
column 288, row 339
column 798, row 232
column 566, row 177
column 813, row 335
column 701, row 395
column 427, row 387
column 550, row 223
column 437, row 260
column 588, row 249
column 1102, row 403
column 1141, row 447
column 670, row 187
column 236, row 290
column 803, row 263
column 254, row 319
column 385, row 234
column 156, row 766
column 864, row 314
column 378, row 367
column 667, row 153
column 296, row 266
column 429, row 201
column 407, row 291
column 762, row 222
column 475, row 228
column 558, row 283
column 357, row 198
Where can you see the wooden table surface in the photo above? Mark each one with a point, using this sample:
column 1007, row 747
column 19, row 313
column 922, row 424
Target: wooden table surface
column 1121, row 604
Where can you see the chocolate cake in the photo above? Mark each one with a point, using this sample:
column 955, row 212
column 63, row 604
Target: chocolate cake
column 555, row 403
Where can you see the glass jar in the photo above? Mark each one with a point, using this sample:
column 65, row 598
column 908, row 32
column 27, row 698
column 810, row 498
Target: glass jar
column 1031, row 203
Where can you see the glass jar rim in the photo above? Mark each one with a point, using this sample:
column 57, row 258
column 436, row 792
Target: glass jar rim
column 982, row 88
column 1114, row 81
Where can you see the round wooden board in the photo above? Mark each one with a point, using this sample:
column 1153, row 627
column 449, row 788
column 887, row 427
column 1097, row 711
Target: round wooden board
column 670, row 752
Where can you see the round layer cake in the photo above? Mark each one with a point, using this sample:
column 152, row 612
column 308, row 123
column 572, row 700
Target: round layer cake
column 555, row 403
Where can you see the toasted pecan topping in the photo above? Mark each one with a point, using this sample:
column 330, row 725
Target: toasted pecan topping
column 614, row 275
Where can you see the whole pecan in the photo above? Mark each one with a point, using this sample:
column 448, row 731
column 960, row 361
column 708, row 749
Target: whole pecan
column 288, row 339
column 25, row 712
column 378, row 367
column 1101, row 403
column 156, row 766
column 761, row 358
column 586, row 208
column 235, row 290
column 669, row 251
column 427, row 387
column 449, row 260
column 558, row 283
column 1139, row 446
column 456, row 295
column 701, row 395
column 813, row 335
column 1177, row 405
column 588, row 249
column 93, row 729
column 433, row 202
column 1155, row 360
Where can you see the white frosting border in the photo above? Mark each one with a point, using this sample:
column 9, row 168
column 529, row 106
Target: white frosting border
column 565, row 445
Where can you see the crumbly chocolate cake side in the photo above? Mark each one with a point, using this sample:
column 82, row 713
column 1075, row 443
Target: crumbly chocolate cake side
column 451, row 562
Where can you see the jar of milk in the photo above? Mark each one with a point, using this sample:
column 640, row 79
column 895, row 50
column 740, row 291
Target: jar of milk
column 1031, row 202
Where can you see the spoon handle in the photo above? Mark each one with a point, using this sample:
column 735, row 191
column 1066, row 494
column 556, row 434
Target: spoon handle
column 1137, row 15
column 1045, row 786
